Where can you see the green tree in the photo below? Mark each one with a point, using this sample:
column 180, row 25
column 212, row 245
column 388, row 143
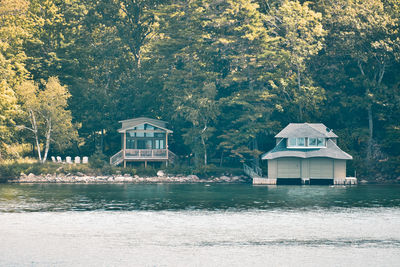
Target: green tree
column 364, row 40
column 301, row 36
column 46, row 111
column 12, row 59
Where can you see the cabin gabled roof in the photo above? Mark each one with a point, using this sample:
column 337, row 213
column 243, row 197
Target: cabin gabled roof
column 314, row 130
column 132, row 123
column 330, row 151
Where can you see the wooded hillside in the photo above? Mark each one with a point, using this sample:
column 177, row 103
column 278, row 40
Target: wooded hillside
column 226, row 74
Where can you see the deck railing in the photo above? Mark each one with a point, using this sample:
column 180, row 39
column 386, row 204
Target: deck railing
column 145, row 153
column 117, row 158
column 171, row 156
column 138, row 154
column 250, row 171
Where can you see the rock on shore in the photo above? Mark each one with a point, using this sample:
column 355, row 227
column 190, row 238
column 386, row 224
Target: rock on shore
column 80, row 178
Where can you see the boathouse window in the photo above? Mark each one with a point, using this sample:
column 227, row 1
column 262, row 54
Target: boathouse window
column 292, row 141
column 301, row 141
column 316, row 142
column 297, row 142
column 312, row 141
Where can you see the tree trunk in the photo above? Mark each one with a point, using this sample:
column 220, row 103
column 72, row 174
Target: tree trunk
column 299, row 88
column 102, row 141
column 35, row 132
column 48, row 135
column 205, row 150
column 371, row 131
column 255, row 147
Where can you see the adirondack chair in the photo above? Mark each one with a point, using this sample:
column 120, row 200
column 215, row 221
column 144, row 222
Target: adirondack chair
column 59, row 160
column 85, row 160
column 77, row 160
column 68, row 160
column 53, row 159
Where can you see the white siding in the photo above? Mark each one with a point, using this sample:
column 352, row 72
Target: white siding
column 340, row 169
column 272, row 169
column 305, row 173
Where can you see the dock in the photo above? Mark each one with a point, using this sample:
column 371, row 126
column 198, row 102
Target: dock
column 255, row 174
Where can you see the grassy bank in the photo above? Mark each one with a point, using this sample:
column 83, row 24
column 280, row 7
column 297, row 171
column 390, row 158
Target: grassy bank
column 10, row 170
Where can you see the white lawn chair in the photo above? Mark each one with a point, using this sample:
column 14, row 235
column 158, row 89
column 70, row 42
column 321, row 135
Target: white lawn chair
column 68, row 160
column 77, row 160
column 85, row 160
column 59, row 160
column 53, row 159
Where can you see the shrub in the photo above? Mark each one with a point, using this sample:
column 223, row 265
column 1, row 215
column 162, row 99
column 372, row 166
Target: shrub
column 130, row 171
column 149, row 171
column 179, row 170
column 212, row 170
column 8, row 172
column 97, row 160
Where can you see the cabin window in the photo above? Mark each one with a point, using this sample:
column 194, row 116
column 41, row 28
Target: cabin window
column 159, row 144
column 149, row 127
column 149, row 134
column 159, row 135
column 141, row 144
column 130, row 143
column 140, row 134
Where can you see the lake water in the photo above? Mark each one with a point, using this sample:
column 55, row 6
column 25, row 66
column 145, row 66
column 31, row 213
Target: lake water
column 199, row 225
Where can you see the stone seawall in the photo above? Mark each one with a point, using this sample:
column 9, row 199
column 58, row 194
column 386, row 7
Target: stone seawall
column 71, row 178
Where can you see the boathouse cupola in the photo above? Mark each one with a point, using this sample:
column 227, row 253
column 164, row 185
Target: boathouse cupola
column 306, row 136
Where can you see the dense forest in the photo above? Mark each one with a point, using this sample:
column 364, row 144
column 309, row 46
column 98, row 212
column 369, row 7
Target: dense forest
column 226, row 74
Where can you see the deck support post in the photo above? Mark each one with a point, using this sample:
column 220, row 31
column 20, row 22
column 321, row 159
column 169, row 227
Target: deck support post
column 124, row 149
column 145, row 164
column 166, row 143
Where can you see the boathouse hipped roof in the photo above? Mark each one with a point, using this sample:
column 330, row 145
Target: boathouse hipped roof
column 330, row 151
column 306, row 130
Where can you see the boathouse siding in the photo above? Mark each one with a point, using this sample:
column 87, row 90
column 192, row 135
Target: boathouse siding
column 313, row 168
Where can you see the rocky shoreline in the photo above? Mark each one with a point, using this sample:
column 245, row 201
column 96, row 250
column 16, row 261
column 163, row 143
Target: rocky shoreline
column 115, row 179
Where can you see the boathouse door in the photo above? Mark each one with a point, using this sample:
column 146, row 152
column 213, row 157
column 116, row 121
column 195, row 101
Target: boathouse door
column 321, row 168
column 289, row 171
column 289, row 168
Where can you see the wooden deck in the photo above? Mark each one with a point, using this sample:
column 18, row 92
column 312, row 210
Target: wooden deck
column 142, row 155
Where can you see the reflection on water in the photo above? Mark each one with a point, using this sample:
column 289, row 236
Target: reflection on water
column 198, row 225
column 57, row 197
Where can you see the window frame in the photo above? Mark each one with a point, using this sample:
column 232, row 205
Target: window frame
column 297, row 142
column 318, row 143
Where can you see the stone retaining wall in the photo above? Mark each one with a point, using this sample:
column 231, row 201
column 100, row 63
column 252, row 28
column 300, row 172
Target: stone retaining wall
column 69, row 178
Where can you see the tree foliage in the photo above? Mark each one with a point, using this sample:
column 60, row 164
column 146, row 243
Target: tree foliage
column 49, row 121
column 226, row 74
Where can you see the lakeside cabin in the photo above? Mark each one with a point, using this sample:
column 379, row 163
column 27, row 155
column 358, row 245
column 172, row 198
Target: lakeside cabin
column 143, row 140
column 306, row 153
